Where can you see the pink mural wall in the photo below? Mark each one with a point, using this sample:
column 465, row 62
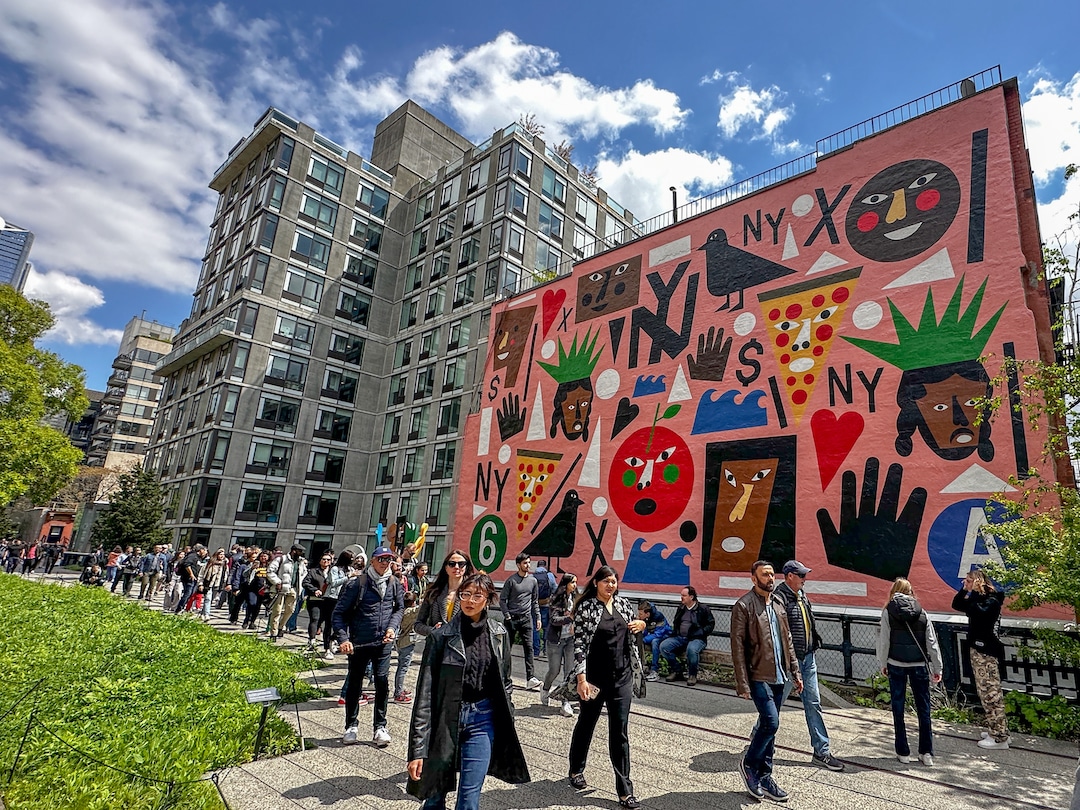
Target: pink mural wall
column 794, row 375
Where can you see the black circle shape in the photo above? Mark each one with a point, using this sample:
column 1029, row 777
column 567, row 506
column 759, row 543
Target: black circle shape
column 688, row 531
column 646, row 506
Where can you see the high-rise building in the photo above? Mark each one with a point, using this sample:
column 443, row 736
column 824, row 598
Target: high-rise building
column 320, row 384
column 15, row 244
column 121, row 432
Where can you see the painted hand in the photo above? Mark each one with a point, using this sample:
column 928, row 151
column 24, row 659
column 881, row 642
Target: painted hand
column 872, row 540
column 712, row 356
column 511, row 417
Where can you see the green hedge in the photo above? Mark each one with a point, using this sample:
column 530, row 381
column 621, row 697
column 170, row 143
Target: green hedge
column 156, row 695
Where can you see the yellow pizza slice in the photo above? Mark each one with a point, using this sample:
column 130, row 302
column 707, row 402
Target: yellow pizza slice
column 534, row 471
column 802, row 320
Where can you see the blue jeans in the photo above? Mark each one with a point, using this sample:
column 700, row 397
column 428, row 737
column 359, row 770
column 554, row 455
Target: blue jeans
column 811, row 701
column 404, row 658
column 920, row 690
column 655, row 643
column 560, row 656
column 768, row 698
column 291, row 624
column 540, row 644
column 185, row 595
column 673, row 645
column 476, row 734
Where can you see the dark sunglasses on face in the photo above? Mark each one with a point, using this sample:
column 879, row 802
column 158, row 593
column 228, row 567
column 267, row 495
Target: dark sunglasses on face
column 456, row 564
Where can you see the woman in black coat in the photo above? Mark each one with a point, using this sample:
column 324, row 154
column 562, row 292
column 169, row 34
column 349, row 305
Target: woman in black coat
column 981, row 602
column 463, row 720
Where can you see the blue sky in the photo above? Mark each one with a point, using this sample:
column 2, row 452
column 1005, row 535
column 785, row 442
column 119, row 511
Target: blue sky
column 116, row 112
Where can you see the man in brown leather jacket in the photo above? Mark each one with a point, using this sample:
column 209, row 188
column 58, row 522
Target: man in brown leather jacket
column 764, row 660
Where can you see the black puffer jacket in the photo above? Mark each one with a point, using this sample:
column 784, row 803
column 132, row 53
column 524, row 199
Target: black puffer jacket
column 805, row 639
column 433, row 733
column 907, row 629
column 983, row 611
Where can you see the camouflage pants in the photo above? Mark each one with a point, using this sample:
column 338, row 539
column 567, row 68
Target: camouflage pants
column 988, row 683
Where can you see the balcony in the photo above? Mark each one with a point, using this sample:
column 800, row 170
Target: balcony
column 118, row 379
column 216, row 335
column 122, row 363
column 114, row 394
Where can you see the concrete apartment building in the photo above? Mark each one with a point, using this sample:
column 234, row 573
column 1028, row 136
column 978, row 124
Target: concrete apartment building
column 15, row 244
column 339, row 326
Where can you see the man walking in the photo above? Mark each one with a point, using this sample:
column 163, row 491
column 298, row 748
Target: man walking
column 545, row 589
column 285, row 574
column 764, row 661
column 693, row 625
column 366, row 621
column 806, row 640
column 521, row 612
column 189, row 570
column 150, row 568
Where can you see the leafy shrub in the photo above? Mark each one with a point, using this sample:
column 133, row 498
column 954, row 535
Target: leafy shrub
column 156, row 695
column 1045, row 717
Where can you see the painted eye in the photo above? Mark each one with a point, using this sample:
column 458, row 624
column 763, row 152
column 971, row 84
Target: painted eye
column 635, row 462
column 970, row 403
column 825, row 314
column 571, row 407
column 596, row 277
column 622, row 268
column 730, row 478
column 668, row 453
column 760, row 474
column 583, row 404
column 787, row 326
column 941, row 406
column 924, row 180
column 876, row 199
column 541, row 478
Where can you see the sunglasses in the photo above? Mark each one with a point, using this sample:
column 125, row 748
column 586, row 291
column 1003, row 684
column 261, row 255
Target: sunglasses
column 457, row 564
column 473, row 597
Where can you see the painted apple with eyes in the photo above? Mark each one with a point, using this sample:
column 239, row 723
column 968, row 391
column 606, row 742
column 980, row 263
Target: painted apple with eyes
column 651, row 479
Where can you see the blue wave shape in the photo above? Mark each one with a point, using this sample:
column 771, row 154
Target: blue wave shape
column 725, row 413
column 649, row 385
column 652, row 567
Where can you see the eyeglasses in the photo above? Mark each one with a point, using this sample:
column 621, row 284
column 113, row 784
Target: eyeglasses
column 456, row 564
column 473, row 597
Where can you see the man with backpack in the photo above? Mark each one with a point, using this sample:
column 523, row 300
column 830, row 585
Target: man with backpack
column 545, row 589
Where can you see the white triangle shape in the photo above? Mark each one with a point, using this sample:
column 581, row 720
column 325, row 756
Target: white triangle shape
column 936, row 268
column 977, row 479
column 826, row 261
column 680, row 389
column 537, row 429
column 618, row 553
column 590, row 470
column 791, row 250
column 478, row 510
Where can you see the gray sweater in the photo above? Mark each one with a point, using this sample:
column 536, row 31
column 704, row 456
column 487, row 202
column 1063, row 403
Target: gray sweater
column 519, row 597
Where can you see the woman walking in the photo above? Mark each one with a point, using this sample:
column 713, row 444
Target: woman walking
column 981, row 602
column 606, row 666
column 560, row 640
column 215, row 576
column 463, row 723
column 255, row 592
column 315, row 585
column 336, row 577
column 440, row 603
column 907, row 649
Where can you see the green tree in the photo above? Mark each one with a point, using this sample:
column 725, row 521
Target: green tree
column 135, row 515
column 1041, row 543
column 36, row 460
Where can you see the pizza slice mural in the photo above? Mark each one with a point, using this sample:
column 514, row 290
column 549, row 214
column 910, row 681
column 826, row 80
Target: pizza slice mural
column 534, row 470
column 802, row 321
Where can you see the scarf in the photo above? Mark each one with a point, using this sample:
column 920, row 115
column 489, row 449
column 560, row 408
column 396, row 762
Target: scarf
column 379, row 582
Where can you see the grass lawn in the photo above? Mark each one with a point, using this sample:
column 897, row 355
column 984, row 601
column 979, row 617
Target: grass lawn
column 154, row 695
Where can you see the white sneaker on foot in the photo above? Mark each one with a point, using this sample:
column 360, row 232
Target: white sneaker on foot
column 992, row 744
column 328, row 655
column 927, row 760
column 567, row 709
column 904, row 758
column 351, row 735
column 382, row 737
column 533, row 683
column 652, row 676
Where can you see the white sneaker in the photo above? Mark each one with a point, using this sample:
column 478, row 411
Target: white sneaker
column 545, row 696
column 534, row 683
column 328, row 655
column 567, row 709
column 984, row 734
column 652, row 676
column 927, row 760
column 351, row 735
column 904, row 758
column 333, row 646
column 382, row 737
column 992, row 744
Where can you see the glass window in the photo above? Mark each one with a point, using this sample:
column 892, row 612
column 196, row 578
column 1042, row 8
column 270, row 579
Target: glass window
column 373, row 199
column 340, row 384
column 444, row 229
column 418, row 423
column 333, row 424
column 366, row 234
column 294, row 332
column 353, row 305
column 435, row 302
column 429, row 343
column 478, row 174
column 327, row 176
column 551, row 221
column 391, row 429
column 319, row 211
column 454, row 374
column 450, row 192
column 398, row 386
column 495, row 241
column 440, row 266
column 519, row 201
column 303, row 287
column 463, row 288
column 586, row 211
column 459, row 334
column 268, row 231
column 424, row 206
column 278, row 413
column 240, row 358
column 419, row 242
column 361, row 269
column 413, row 466
column 425, row 382
column 409, row 313
column 491, row 279
column 443, row 463
column 260, row 503
column 414, row 277
column 286, row 370
column 470, row 251
column 554, row 187
column 327, row 465
column 385, row 473
column 349, row 348
column 547, row 258
column 312, row 248
column 319, row 508
column 515, row 241
column 220, row 451
column 403, row 354
column 269, row 458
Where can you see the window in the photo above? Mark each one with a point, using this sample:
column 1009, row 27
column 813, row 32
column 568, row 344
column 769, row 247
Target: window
column 268, row 231
column 586, row 211
column 210, row 491
column 419, row 242
column 380, row 510
column 269, row 458
column 413, row 467
column 478, row 174
column 199, row 462
column 318, row 211
column 440, row 266
column 327, row 176
column 515, row 241
column 241, row 350
column 495, row 240
column 551, row 221
column 470, row 251
column 502, row 194
column 418, row 423
column 409, row 310
column 449, row 416
column 283, row 146
column 429, row 343
column 278, row 413
column 348, row 348
column 554, row 187
column 385, row 474
column 459, row 334
column 228, row 407
column 333, row 424
column 398, row 386
column 454, row 374
column 414, row 277
column 354, row 306
column 260, row 503
column 424, row 206
column 449, row 194
column 405, row 506
column 319, row 508
column 519, row 201
column 444, row 230
column 463, row 289
column 474, row 213
column 271, row 192
column 220, row 451
column 326, row 465
column 491, row 279
column 511, row 278
column 366, row 234
column 403, row 354
column 311, row 248
column 582, row 248
column 253, row 272
column 340, row 384
column 435, row 302
column 391, row 429
column 286, row 370
column 303, row 287
column 360, row 269
column 443, row 464
column 522, row 161
column 295, row 332
column 425, row 382
column 438, row 511
column 547, row 258
column 373, row 199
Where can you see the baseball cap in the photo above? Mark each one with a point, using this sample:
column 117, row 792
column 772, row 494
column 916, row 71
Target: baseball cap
column 382, row 551
column 795, row 567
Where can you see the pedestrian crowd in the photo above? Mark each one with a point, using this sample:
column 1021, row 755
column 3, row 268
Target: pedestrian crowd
column 18, row 557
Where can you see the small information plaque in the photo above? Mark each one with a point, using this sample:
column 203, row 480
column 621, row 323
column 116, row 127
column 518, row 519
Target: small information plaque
column 264, row 695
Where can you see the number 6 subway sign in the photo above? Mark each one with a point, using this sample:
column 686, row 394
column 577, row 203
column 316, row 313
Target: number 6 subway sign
column 797, row 374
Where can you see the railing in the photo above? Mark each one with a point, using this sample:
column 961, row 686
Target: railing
column 224, row 330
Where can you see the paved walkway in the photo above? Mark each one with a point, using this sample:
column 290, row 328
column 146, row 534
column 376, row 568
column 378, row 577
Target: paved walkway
column 685, row 745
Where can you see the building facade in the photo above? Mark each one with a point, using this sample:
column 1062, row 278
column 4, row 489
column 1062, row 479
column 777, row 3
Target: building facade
column 15, row 244
column 319, row 386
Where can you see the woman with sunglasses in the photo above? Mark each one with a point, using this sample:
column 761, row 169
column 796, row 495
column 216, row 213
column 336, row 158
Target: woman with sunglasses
column 315, row 586
column 560, row 640
column 440, row 603
column 463, row 721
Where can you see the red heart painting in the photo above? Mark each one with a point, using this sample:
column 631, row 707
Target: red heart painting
column 553, row 301
column 833, row 440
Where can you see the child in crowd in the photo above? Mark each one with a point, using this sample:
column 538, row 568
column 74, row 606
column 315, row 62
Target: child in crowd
column 657, row 628
column 406, row 643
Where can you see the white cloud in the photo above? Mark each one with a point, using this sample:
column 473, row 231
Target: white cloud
column 1052, row 128
column 641, row 181
column 69, row 300
column 759, row 113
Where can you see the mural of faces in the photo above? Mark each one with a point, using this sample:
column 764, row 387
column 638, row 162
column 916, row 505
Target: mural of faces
column 940, row 402
column 508, row 342
column 742, row 506
column 573, row 404
column 651, row 479
column 611, row 289
column 903, row 210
